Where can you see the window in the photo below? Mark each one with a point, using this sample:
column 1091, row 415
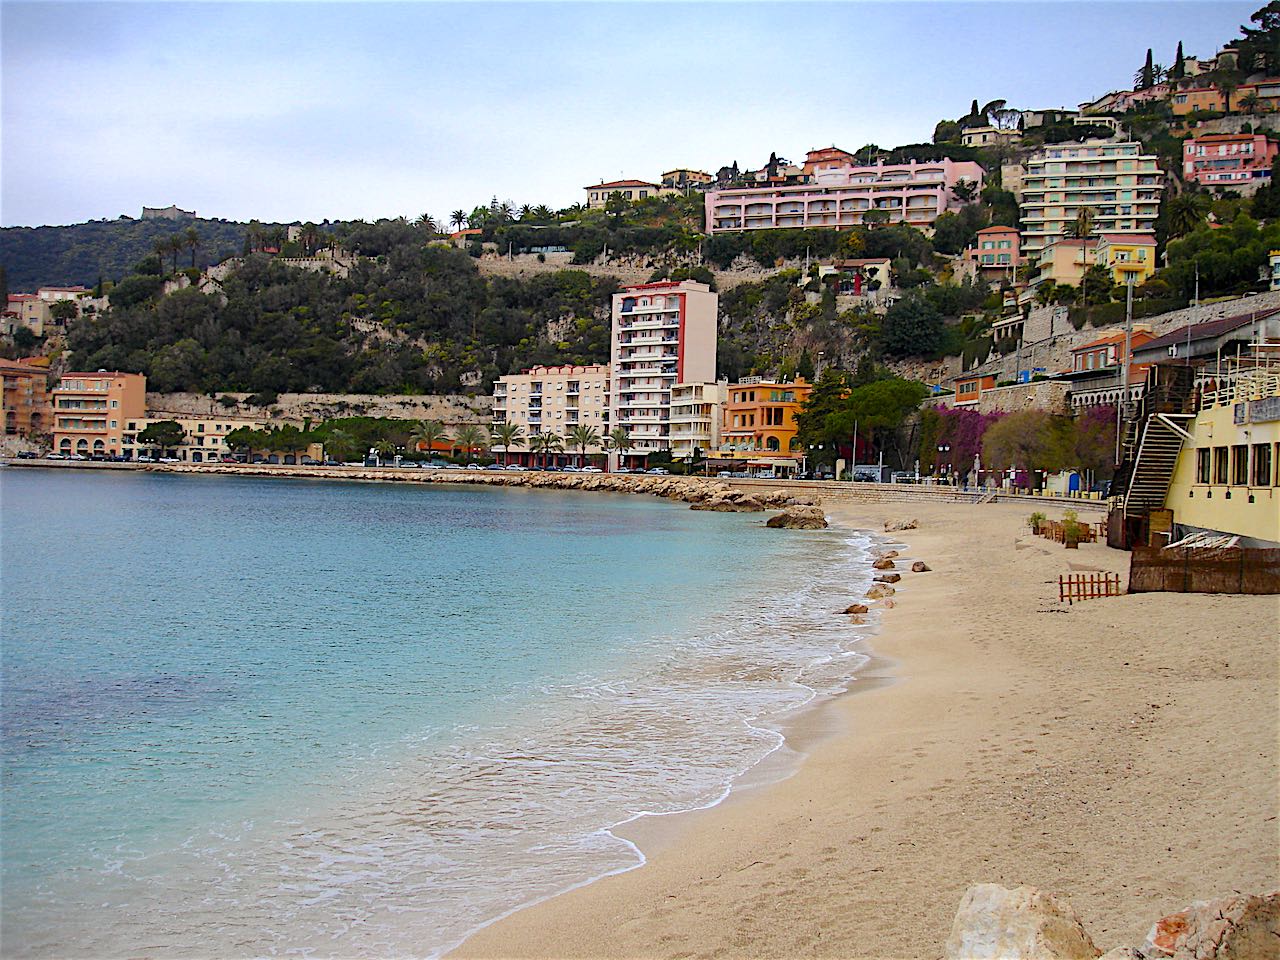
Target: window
column 114, row 424
column 1202, row 465
column 1219, row 464
column 114, row 404
column 1240, row 465
column 200, row 428
column 1261, row 465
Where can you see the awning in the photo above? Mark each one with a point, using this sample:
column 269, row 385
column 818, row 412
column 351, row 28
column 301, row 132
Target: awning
column 775, row 462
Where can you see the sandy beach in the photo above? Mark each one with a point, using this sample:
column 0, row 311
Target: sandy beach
column 1121, row 751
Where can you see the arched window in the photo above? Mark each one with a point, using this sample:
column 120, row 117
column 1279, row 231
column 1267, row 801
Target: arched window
column 65, row 444
column 82, row 444
column 772, row 444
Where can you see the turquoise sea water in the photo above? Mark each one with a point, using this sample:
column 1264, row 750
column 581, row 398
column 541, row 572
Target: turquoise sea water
column 248, row 717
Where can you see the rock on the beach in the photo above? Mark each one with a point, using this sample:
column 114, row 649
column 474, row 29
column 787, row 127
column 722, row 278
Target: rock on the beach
column 798, row 518
column 883, row 564
column 1240, row 927
column 891, row 525
column 1021, row 924
column 856, row 608
column 879, row 591
column 920, row 567
column 727, row 504
column 888, row 578
column 888, row 603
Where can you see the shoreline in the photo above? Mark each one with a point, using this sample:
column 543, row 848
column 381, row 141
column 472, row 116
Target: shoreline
column 1023, row 742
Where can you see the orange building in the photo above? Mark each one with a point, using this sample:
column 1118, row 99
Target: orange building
column 90, row 409
column 971, row 388
column 760, row 416
column 26, row 398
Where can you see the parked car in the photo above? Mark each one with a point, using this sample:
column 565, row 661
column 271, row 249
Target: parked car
column 26, row 455
column 330, row 462
column 77, row 456
column 725, row 473
column 56, row 456
column 592, row 470
column 259, row 459
column 570, row 468
column 144, row 458
column 474, row 466
column 517, row 467
column 623, row 470
column 495, row 466
column 309, row 462
column 659, row 471
column 170, row 460
column 453, row 466
column 227, row 458
column 98, row 457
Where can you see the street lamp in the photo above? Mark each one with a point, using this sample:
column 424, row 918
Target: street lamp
column 945, row 448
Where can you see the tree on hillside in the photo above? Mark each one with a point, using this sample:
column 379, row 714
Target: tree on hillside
column 192, row 240
column 879, row 410
column 341, row 445
column 1032, row 441
column 1145, row 78
column 912, row 327
column 1179, row 69
column 1185, row 212
column 619, row 441
column 1266, row 201
column 966, row 191
column 1260, row 47
column 458, row 219
column 817, row 423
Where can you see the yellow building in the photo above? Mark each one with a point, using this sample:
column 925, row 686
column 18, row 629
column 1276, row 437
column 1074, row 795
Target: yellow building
column 205, row 440
column 1227, row 476
column 552, row 400
column 1193, row 99
column 759, row 416
column 1124, row 255
column 91, row 409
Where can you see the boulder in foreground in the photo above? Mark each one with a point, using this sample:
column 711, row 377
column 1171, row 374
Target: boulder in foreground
column 891, row 525
column 1021, row 924
column 798, row 518
column 857, row 608
column 920, row 567
column 1239, row 927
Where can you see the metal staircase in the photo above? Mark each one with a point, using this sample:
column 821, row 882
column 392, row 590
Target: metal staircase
column 1153, row 439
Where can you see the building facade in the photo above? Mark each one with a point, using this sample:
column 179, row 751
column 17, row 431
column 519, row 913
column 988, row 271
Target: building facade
column 630, row 190
column 696, row 418
column 90, row 411
column 1116, row 182
column 759, row 417
column 996, row 252
column 204, row 440
column 25, row 398
column 662, row 334
column 840, row 195
column 1229, row 161
column 683, row 179
column 552, row 400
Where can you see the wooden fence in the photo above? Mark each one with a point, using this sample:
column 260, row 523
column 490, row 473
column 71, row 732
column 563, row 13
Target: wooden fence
column 1204, row 570
column 1088, row 586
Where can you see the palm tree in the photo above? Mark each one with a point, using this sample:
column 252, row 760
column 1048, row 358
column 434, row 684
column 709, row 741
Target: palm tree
column 619, row 442
column 176, row 243
column 1081, row 229
column 427, row 223
column 385, row 449
column 469, row 437
column 506, row 436
column 545, row 443
column 161, row 249
column 542, row 213
column 582, row 436
column 458, row 218
column 1249, row 102
column 1185, row 213
column 192, row 240
column 427, row 433
column 340, row 444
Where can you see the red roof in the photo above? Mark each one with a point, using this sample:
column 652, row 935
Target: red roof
column 997, row 230
column 620, row 184
column 102, row 373
column 1145, row 239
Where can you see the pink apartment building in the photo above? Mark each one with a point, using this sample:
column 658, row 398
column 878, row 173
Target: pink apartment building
column 1229, row 161
column 840, row 193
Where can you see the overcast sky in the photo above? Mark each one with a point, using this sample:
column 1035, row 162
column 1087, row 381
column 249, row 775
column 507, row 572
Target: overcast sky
column 292, row 111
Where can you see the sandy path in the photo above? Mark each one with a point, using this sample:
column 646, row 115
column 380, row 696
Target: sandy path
column 1122, row 751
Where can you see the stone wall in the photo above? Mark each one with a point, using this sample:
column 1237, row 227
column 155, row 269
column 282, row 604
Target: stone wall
column 1048, row 395
column 297, row 407
column 528, row 265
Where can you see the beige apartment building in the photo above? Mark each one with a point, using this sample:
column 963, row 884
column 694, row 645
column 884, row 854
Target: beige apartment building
column 695, row 417
column 205, row 439
column 25, row 403
column 552, row 400
column 663, row 334
column 1116, row 182
column 91, row 409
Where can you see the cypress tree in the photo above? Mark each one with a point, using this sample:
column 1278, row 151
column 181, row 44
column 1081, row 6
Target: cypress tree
column 1179, row 65
column 1148, row 72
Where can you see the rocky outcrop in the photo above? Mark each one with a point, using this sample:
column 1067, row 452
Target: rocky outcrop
column 884, row 563
column 891, row 525
column 879, row 591
column 1032, row 924
column 888, row 578
column 730, row 501
column 856, row 608
column 920, row 567
column 1025, row 923
column 798, row 518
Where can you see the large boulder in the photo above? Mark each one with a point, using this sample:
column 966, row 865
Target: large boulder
column 721, row 504
column 891, row 525
column 920, row 567
column 1021, row 924
column 856, row 608
column 879, row 591
column 888, row 578
column 1240, row 927
column 884, row 563
column 798, row 518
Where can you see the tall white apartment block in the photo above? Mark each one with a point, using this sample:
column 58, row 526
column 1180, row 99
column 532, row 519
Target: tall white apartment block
column 663, row 334
column 695, row 417
column 553, row 400
column 1117, row 182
